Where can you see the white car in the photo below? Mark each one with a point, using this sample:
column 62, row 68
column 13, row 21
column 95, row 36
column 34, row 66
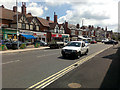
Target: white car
column 105, row 40
column 75, row 49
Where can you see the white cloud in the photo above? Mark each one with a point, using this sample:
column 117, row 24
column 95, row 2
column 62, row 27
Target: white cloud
column 45, row 8
column 95, row 12
column 35, row 9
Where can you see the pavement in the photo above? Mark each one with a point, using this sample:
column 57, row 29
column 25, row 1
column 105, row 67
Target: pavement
column 100, row 72
column 28, row 48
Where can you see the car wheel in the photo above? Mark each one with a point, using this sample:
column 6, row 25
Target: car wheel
column 63, row 55
column 79, row 55
column 86, row 52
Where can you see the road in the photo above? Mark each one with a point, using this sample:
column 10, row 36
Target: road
column 22, row 70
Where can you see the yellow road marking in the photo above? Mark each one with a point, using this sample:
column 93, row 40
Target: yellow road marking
column 71, row 67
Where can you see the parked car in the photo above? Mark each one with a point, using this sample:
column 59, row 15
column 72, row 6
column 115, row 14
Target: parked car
column 75, row 49
column 93, row 42
column 111, row 42
column 105, row 40
column 13, row 44
column 87, row 43
column 8, row 44
column 41, row 42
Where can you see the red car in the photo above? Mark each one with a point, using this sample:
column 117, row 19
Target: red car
column 93, row 42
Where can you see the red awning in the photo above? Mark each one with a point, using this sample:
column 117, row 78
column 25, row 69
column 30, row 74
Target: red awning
column 57, row 35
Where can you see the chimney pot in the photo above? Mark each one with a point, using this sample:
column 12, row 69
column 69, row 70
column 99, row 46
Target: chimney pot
column 77, row 26
column 15, row 9
column 2, row 6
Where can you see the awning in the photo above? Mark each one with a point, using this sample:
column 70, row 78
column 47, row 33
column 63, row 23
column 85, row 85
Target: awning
column 28, row 36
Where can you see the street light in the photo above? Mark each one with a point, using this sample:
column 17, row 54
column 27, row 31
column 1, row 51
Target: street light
column 17, row 26
column 82, row 21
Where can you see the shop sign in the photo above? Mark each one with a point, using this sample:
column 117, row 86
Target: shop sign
column 26, row 32
column 39, row 33
column 56, row 35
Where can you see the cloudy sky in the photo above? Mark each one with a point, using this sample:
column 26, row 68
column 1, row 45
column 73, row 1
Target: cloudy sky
column 93, row 12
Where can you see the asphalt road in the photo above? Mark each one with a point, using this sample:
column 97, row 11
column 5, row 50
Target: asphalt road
column 101, row 72
column 21, row 70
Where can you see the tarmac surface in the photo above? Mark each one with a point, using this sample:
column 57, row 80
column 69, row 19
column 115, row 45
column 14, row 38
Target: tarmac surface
column 102, row 71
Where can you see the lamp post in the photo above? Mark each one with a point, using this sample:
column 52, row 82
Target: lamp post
column 17, row 26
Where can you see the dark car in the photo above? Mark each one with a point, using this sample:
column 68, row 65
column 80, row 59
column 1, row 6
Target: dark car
column 41, row 42
column 93, row 42
column 13, row 44
column 111, row 42
column 8, row 44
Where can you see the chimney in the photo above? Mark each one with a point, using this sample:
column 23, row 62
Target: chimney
column 55, row 18
column 77, row 26
column 23, row 8
column 106, row 28
column 2, row 6
column 48, row 18
column 66, row 28
column 29, row 14
column 15, row 9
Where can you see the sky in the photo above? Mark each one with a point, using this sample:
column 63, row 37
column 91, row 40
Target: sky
column 92, row 12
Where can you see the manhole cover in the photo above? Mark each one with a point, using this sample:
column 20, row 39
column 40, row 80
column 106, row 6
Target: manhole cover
column 74, row 85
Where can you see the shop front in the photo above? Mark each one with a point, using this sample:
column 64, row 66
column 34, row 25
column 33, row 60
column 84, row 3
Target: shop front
column 27, row 36
column 9, row 34
column 40, row 36
column 60, row 37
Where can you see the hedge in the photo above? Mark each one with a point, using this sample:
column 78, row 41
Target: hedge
column 3, row 48
column 37, row 45
column 23, row 46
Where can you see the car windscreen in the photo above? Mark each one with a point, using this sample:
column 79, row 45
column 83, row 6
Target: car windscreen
column 76, row 44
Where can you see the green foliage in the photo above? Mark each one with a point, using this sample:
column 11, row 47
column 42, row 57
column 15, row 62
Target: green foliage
column 23, row 46
column 37, row 45
column 3, row 48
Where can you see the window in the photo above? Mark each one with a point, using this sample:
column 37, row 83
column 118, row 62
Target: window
column 83, row 44
column 72, row 32
column 23, row 26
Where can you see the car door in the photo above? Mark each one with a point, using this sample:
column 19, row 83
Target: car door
column 83, row 48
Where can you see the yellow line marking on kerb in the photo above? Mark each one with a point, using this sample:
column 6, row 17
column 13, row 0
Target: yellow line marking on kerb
column 62, row 72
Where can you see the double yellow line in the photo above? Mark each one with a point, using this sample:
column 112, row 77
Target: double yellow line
column 59, row 74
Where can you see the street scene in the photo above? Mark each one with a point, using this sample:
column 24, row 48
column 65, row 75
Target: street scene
column 59, row 45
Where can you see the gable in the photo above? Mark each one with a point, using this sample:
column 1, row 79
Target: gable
column 23, row 19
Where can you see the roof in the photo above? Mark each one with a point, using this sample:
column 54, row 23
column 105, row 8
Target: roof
column 52, row 25
column 44, row 22
column 15, row 18
column 71, row 26
column 6, row 13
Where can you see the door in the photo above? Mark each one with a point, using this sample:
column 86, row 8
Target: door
column 83, row 48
